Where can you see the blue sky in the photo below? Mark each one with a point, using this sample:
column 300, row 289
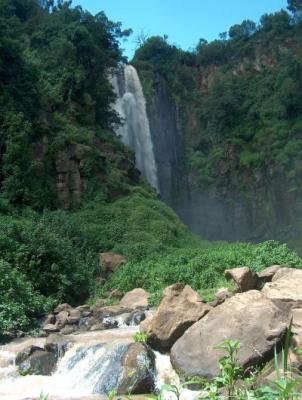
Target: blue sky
column 184, row 21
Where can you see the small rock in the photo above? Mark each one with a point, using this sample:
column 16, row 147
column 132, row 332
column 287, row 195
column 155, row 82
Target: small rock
column 244, row 278
column 223, row 294
column 74, row 316
column 39, row 362
column 110, row 323
column 68, row 329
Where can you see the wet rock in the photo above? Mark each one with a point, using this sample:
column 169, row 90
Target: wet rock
column 135, row 318
column 180, row 307
column 268, row 273
column 244, row 278
column 285, row 286
column 50, row 319
column 136, row 298
column 250, row 318
column 110, row 311
column 111, row 261
column 97, row 327
column 83, row 308
column 57, row 344
column 138, row 370
column 39, row 362
column 110, row 323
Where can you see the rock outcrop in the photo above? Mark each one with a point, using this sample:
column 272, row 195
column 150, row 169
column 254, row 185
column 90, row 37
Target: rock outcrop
column 250, row 318
column 180, row 307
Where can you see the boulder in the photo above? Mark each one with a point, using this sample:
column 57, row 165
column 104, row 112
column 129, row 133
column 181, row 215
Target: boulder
column 244, row 278
column 138, row 370
column 250, row 318
column 110, row 311
column 38, row 362
column 136, row 298
column 286, row 286
column 111, row 261
column 268, row 273
column 180, row 307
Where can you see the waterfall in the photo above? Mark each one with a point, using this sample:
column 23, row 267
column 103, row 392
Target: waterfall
column 135, row 130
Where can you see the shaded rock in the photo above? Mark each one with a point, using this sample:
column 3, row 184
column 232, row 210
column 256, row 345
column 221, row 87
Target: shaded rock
column 268, row 273
column 74, row 316
column 180, row 307
column 62, row 307
column 138, row 370
column 111, row 261
column 250, row 318
column 244, row 278
column 25, row 353
column 50, row 319
column 39, row 362
column 286, row 286
column 136, row 298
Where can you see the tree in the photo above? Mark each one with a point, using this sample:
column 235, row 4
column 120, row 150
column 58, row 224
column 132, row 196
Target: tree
column 243, row 31
column 295, row 7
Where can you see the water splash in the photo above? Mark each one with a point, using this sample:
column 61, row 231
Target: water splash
column 135, row 131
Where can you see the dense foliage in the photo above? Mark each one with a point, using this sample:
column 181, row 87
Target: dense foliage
column 239, row 96
column 54, row 91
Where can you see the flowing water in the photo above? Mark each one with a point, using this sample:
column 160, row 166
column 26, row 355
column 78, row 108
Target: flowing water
column 90, row 366
column 135, row 130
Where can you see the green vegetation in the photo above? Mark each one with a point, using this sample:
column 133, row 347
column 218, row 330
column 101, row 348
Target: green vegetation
column 239, row 98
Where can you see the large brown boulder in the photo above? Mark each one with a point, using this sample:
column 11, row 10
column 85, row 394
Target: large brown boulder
column 180, row 307
column 250, row 318
column 136, row 298
column 286, row 286
column 244, row 278
column 111, row 261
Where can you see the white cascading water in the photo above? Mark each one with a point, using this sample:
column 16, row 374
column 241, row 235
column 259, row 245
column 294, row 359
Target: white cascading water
column 91, row 366
column 135, row 131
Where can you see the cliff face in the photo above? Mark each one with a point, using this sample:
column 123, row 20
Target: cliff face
column 228, row 137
